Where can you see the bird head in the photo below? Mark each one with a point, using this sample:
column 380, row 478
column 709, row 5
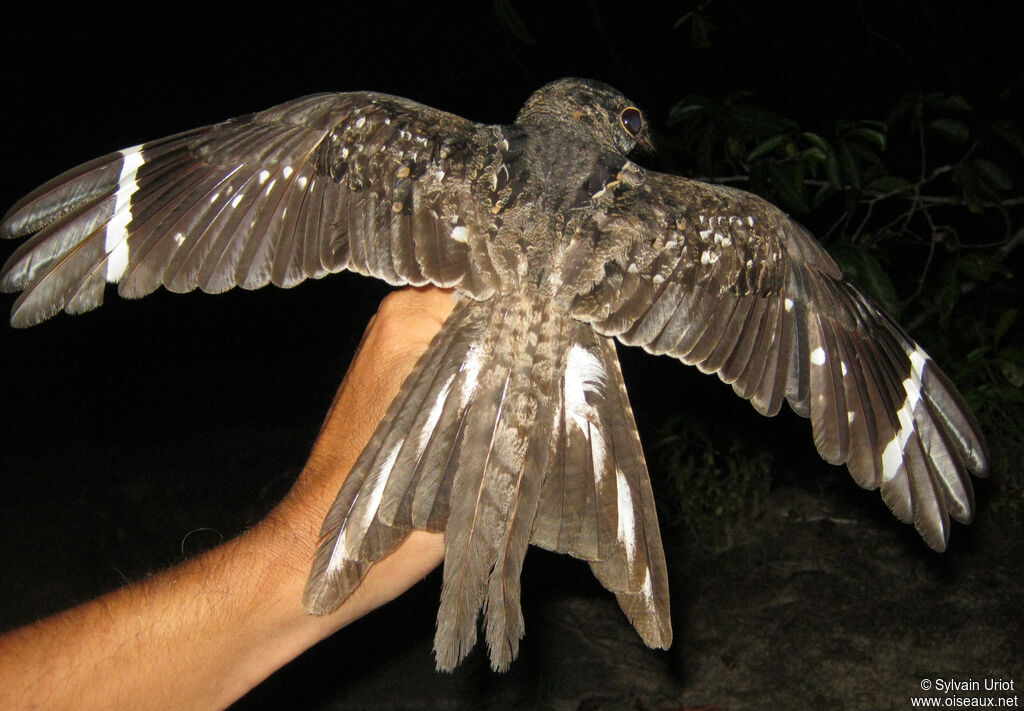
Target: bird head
column 588, row 108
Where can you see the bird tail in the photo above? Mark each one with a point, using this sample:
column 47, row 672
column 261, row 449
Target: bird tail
column 513, row 428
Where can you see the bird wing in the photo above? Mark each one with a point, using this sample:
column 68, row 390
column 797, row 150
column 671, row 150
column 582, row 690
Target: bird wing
column 368, row 182
column 723, row 280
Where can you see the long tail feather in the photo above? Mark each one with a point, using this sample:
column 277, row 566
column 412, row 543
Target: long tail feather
column 513, row 428
column 353, row 534
column 613, row 524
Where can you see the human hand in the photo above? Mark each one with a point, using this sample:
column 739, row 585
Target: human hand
column 397, row 335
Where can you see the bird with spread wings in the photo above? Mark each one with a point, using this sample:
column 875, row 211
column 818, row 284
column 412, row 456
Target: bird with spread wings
column 514, row 427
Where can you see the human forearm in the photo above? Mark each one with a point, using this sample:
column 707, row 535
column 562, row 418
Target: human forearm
column 195, row 621
column 202, row 634
column 195, row 637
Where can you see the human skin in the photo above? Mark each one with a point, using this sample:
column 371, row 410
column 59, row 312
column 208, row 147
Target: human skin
column 202, row 634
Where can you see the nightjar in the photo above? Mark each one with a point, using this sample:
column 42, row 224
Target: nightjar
column 514, row 427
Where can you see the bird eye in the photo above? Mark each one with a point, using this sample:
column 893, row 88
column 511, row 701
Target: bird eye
column 632, row 120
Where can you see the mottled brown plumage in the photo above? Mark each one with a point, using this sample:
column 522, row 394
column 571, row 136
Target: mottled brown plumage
column 514, row 427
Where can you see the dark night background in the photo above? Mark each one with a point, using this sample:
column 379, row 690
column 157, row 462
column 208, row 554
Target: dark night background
column 144, row 431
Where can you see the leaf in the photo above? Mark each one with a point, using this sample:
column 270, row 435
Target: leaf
column 1012, row 354
column 949, row 295
column 867, row 272
column 863, row 152
column 1010, row 395
column 1004, row 323
column 1010, row 133
column 979, row 354
column 695, row 103
column 849, row 166
column 813, row 155
column 682, row 20
column 1011, row 364
column 947, row 102
column 951, row 128
column 992, row 173
column 909, row 104
column 981, row 267
column 755, row 121
column 888, row 184
column 981, row 181
column 508, row 17
column 832, row 169
column 766, row 146
column 823, row 194
column 879, row 285
column 817, row 141
column 734, row 97
column 700, row 31
column 789, row 184
column 872, row 136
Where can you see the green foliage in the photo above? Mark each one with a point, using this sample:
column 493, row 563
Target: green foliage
column 714, row 484
column 922, row 208
column 510, row 19
column 700, row 25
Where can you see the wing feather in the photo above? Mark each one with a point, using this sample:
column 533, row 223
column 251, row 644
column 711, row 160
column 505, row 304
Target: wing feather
column 370, row 182
column 732, row 285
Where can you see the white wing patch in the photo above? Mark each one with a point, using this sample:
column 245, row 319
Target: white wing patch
column 585, row 373
column 647, row 589
column 471, row 368
column 892, row 455
column 433, row 416
column 354, row 532
column 115, row 240
column 627, row 526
